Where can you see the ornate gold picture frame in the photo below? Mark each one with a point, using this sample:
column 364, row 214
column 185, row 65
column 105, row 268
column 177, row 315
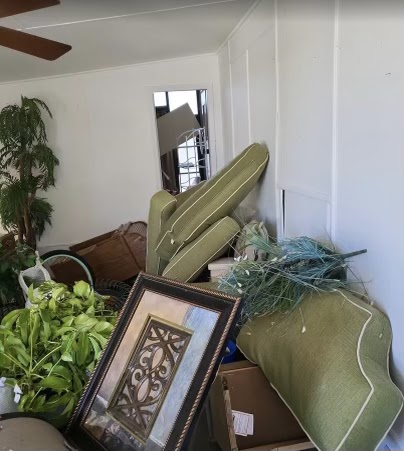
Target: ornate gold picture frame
column 146, row 392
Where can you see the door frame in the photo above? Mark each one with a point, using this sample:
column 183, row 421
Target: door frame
column 211, row 120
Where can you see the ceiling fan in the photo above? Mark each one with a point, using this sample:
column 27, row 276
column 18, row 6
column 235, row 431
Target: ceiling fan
column 25, row 42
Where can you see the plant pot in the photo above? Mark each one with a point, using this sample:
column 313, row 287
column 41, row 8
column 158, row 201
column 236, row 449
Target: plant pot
column 7, row 404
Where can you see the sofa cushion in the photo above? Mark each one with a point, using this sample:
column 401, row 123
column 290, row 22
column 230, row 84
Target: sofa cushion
column 162, row 206
column 185, row 195
column 211, row 244
column 216, row 199
column 328, row 360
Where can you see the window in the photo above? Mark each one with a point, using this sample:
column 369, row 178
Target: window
column 178, row 98
column 160, row 99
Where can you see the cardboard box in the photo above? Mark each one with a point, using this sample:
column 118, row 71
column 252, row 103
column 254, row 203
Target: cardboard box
column 220, row 267
column 242, row 387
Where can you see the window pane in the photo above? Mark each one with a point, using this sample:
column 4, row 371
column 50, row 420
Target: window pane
column 178, row 98
column 160, row 99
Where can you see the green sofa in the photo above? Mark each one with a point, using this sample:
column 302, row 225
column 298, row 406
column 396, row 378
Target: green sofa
column 188, row 231
column 329, row 361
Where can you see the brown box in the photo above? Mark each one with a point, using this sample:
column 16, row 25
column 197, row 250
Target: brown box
column 243, row 387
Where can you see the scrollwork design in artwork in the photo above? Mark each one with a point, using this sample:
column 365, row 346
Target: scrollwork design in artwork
column 148, row 376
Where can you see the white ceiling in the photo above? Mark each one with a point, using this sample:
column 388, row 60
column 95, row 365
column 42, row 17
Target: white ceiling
column 108, row 33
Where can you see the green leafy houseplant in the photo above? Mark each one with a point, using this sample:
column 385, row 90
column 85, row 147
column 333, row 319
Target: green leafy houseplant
column 49, row 350
column 10, row 266
column 27, row 166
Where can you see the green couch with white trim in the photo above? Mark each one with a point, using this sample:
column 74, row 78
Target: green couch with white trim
column 329, row 362
column 188, row 231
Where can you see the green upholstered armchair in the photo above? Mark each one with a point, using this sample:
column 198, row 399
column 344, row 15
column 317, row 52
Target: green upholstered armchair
column 188, row 231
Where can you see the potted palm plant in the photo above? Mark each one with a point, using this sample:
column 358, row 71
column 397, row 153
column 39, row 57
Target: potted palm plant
column 11, row 263
column 27, row 168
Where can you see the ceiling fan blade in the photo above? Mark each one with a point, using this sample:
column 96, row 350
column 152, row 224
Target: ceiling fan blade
column 11, row 7
column 33, row 45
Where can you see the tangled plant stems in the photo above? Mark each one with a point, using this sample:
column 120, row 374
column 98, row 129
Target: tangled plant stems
column 292, row 269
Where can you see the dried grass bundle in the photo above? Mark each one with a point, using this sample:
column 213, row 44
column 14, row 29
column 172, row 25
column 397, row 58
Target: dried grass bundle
column 292, row 269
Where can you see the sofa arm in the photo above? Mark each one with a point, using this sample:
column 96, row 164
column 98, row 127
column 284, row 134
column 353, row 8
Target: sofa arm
column 162, row 206
column 332, row 373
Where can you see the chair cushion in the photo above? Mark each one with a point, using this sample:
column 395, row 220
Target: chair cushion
column 328, row 360
column 162, row 206
column 216, row 199
column 211, row 244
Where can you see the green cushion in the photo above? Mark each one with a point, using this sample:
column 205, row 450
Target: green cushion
column 216, row 199
column 162, row 206
column 207, row 285
column 185, row 195
column 211, row 244
column 328, row 361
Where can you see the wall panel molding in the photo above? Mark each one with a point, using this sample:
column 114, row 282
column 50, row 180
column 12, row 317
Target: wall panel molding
column 240, row 100
column 248, row 95
column 233, row 146
column 334, row 166
column 280, row 228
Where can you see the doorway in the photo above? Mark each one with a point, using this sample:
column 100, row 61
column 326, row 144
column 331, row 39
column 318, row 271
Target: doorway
column 182, row 126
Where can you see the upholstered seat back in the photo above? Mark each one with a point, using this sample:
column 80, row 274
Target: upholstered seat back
column 329, row 361
column 188, row 231
column 217, row 198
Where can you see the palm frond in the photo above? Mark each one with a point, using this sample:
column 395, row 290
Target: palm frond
column 41, row 213
column 31, row 118
column 45, row 161
column 12, row 197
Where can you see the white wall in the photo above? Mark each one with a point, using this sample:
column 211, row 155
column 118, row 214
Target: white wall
column 322, row 83
column 248, row 88
column 370, row 158
column 104, row 134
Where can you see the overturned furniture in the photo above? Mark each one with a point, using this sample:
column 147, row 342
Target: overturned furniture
column 329, row 361
column 188, row 231
column 118, row 255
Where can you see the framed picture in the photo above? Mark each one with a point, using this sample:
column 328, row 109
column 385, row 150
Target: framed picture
column 149, row 385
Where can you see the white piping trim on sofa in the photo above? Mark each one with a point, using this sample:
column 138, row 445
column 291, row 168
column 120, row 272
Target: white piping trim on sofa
column 293, row 413
column 161, row 226
column 367, row 400
column 402, row 403
column 252, row 175
column 210, row 258
column 372, row 388
column 198, row 242
column 161, row 223
column 249, row 178
column 217, row 181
